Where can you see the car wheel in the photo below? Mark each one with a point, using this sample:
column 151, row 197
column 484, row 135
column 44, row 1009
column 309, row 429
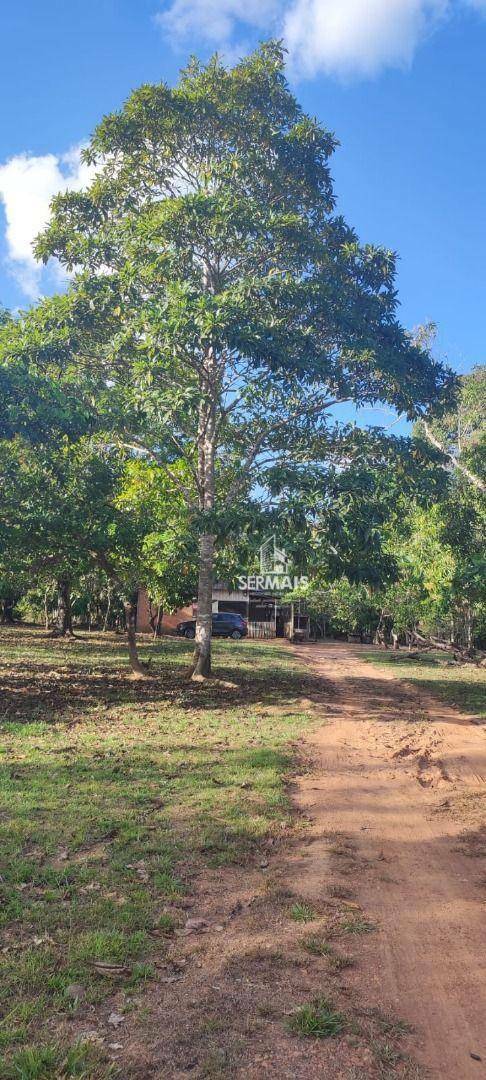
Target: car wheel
column 236, row 634
column 190, row 632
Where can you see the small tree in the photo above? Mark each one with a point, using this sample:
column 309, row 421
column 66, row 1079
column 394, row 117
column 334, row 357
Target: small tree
column 61, row 520
column 62, row 511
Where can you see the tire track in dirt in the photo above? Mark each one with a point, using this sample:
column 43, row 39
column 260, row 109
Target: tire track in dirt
column 386, row 758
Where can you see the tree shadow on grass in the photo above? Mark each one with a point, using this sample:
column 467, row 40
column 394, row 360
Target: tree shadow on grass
column 461, row 686
column 43, row 680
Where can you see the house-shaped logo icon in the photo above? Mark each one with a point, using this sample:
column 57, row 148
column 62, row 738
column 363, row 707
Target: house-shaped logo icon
column 272, row 559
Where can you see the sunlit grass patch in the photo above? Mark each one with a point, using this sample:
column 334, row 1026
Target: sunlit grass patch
column 82, row 1060
column 302, row 912
column 319, row 1019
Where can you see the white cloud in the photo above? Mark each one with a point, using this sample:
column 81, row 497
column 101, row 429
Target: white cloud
column 339, row 37
column 356, row 37
column 216, row 19
column 27, row 185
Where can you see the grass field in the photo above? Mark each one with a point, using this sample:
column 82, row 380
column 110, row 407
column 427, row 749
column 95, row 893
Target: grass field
column 462, row 685
column 117, row 798
column 112, row 794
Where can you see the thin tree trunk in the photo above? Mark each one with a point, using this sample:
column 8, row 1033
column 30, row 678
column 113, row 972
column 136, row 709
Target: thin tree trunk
column 206, row 481
column 64, row 620
column 156, row 621
column 130, row 604
column 202, row 652
column 108, row 607
column 130, row 608
column 469, row 627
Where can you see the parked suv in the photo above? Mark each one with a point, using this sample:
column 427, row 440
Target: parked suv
column 225, row 624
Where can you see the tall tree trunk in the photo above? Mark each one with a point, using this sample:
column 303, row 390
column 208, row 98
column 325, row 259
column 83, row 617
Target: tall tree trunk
column 130, row 608
column 206, row 480
column 64, row 620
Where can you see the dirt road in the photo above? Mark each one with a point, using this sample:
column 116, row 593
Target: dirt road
column 393, row 769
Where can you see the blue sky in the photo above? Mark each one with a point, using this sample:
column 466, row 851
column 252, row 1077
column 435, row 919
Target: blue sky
column 401, row 82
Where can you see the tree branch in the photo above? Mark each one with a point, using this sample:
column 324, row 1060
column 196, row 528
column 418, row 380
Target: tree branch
column 473, row 479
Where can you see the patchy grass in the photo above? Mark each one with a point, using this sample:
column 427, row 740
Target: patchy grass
column 112, row 795
column 53, row 1063
column 317, row 946
column 319, row 1020
column 356, row 924
column 302, row 912
column 463, row 685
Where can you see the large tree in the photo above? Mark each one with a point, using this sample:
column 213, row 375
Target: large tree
column 246, row 308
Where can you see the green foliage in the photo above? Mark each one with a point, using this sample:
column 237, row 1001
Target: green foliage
column 396, row 541
column 440, row 550
column 426, row 568
column 60, row 512
column 342, row 606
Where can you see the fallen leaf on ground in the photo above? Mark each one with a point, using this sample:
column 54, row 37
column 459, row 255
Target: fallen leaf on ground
column 109, row 969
